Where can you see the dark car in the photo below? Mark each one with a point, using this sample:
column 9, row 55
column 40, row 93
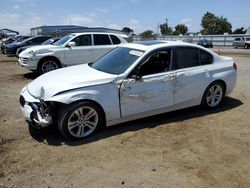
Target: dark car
column 10, row 40
column 11, row 49
column 47, row 42
column 205, row 43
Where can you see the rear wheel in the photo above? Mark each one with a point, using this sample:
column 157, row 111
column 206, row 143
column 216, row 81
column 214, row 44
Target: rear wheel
column 80, row 120
column 213, row 95
column 246, row 46
column 47, row 65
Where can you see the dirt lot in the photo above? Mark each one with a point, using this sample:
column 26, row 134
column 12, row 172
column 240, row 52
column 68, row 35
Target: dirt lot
column 187, row 148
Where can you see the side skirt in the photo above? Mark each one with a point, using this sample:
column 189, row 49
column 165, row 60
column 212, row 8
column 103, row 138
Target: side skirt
column 154, row 112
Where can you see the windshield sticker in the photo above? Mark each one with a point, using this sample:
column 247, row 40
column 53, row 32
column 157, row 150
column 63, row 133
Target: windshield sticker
column 136, row 53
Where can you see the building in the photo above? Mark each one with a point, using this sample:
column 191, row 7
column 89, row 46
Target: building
column 61, row 30
column 8, row 32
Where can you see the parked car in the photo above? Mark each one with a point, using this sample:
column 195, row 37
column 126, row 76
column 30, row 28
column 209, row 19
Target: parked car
column 130, row 82
column 11, row 40
column 11, row 49
column 205, row 43
column 73, row 49
column 243, row 42
column 47, row 42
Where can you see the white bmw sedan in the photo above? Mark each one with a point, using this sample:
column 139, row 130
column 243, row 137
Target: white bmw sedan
column 130, row 82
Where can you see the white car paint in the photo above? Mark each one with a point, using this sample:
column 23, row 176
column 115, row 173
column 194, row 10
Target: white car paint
column 67, row 55
column 123, row 98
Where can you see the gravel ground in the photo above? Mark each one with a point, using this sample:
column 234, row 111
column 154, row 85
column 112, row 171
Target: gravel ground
column 186, row 148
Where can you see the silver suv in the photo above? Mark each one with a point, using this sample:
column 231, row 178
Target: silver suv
column 243, row 42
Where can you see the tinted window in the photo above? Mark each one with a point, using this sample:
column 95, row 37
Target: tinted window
column 39, row 40
column 186, row 57
column 205, row 58
column 247, row 39
column 101, row 39
column 83, row 40
column 156, row 63
column 113, row 63
column 237, row 39
column 115, row 39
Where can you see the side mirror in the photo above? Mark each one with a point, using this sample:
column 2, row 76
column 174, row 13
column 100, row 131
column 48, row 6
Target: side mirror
column 137, row 75
column 71, row 44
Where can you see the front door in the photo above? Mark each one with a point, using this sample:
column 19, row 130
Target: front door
column 153, row 91
column 81, row 53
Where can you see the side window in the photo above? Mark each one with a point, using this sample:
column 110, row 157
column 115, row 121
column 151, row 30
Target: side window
column 115, row 39
column 42, row 39
column 237, row 39
column 205, row 58
column 33, row 41
column 83, row 40
column 186, row 57
column 100, row 39
column 156, row 63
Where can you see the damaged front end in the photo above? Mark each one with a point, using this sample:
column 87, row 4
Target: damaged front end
column 35, row 111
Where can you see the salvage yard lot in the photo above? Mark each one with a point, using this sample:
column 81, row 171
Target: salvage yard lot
column 187, row 148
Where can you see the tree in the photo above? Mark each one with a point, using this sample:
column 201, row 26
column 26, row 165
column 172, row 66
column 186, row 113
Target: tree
column 148, row 34
column 180, row 29
column 212, row 24
column 127, row 30
column 165, row 30
column 240, row 30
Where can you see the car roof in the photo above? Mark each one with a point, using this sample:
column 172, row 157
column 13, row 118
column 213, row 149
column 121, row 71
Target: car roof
column 156, row 45
column 102, row 33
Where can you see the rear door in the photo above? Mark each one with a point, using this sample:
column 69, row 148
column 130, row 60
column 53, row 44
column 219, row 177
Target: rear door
column 102, row 45
column 193, row 67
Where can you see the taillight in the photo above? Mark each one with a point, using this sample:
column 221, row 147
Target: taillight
column 235, row 66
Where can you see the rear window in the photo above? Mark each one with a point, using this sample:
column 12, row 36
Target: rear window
column 115, row 39
column 100, row 39
column 205, row 58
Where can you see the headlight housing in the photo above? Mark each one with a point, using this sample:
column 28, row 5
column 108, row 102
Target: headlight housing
column 34, row 53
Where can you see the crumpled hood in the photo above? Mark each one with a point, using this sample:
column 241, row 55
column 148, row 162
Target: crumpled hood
column 51, row 83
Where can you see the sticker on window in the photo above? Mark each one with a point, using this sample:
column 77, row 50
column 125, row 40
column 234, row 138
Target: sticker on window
column 136, row 53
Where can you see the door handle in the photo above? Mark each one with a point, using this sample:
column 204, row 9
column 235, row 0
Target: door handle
column 172, row 76
column 182, row 74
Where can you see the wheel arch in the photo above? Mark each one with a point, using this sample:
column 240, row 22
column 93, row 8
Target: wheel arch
column 86, row 100
column 222, row 82
column 49, row 57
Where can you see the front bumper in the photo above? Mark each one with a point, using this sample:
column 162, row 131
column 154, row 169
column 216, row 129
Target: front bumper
column 28, row 62
column 33, row 111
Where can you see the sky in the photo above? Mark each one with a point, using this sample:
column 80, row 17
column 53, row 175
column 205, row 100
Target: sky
column 140, row 15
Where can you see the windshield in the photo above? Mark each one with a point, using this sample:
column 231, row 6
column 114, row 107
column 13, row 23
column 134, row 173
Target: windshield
column 247, row 39
column 63, row 40
column 117, row 61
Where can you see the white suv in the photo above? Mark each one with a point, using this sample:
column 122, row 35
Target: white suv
column 73, row 49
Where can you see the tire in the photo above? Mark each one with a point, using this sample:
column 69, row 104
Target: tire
column 213, row 95
column 79, row 120
column 246, row 46
column 47, row 65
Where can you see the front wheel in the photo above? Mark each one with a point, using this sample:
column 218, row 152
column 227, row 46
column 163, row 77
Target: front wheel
column 48, row 65
column 213, row 95
column 80, row 120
